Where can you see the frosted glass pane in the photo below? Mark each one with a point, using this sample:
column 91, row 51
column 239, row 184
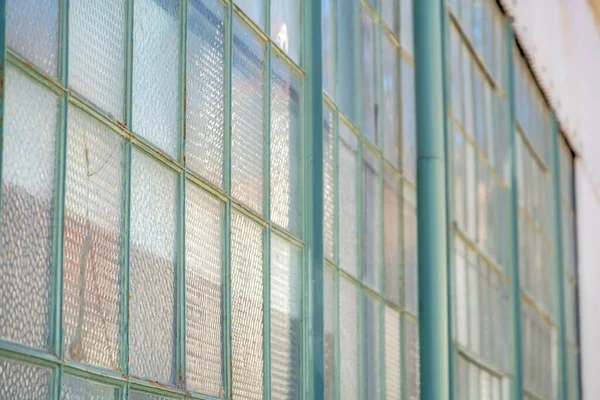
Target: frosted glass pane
column 391, row 104
column 393, row 354
column 348, row 199
column 411, row 353
column 391, row 236
column 456, row 74
column 411, row 251
column 156, row 72
column 461, row 293
column 328, row 184
column 473, row 382
column 285, row 26
column 406, row 24
column 467, row 92
column 473, row 282
column 372, row 349
column 286, row 148
column 327, row 32
column 205, row 89
column 145, row 396
column 286, row 319
column 388, row 13
column 32, row 32
column 370, row 104
column 254, row 9
column 19, row 380
column 329, row 312
column 348, row 72
column 152, row 276
column 371, row 234
column 74, row 388
column 348, row 340
column 27, row 210
column 459, row 183
column 204, row 256
column 246, row 307
column 247, row 117
column 93, row 240
column 409, row 123
column 471, row 187
column 97, row 53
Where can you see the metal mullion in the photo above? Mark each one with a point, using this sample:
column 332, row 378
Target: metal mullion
column 14, row 59
column 476, row 359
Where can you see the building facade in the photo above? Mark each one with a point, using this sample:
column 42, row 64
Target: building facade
column 217, row 199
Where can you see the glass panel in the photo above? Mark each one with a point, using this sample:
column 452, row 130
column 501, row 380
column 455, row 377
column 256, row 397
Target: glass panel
column 285, row 26
column 329, row 187
column 470, row 169
column 388, row 13
column 391, row 106
column 370, row 104
column 348, row 340
column 152, row 276
column 156, row 73
column 205, row 89
column 391, row 239
column 411, row 294
column 348, row 77
column 204, row 256
column 32, row 32
column 247, row 117
column 372, row 349
column 473, row 282
column 246, row 307
column 456, row 74
column 74, row 388
column 459, row 182
column 327, row 41
column 406, row 24
column 461, row 293
column 473, row 382
column 330, row 320
column 286, row 148
column 97, row 53
column 411, row 354
column 27, row 210
column 393, row 354
column 24, row 381
column 286, row 319
column 371, row 235
column 467, row 92
column 348, row 202
column 93, row 238
column 463, row 379
column 145, row 396
column 409, row 123
column 254, row 9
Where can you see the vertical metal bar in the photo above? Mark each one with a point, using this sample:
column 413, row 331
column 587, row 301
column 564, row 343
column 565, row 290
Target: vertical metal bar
column 314, row 69
column 517, row 348
column 431, row 199
column 560, row 275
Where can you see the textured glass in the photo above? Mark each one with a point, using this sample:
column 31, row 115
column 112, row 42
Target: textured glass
column 461, row 295
column 27, row 210
column 459, row 181
column 204, row 256
column 471, row 190
column 327, row 42
column 93, row 240
column 254, row 9
column 246, row 307
column 205, row 89
column 372, row 349
column 484, row 386
column 391, row 103
column 285, row 26
column 411, row 287
column 286, row 319
column 391, row 236
column 156, row 72
column 348, row 71
column 388, row 13
column 474, row 312
column 456, row 74
column 348, row 199
column 145, row 396
column 473, row 382
column 406, row 25
column 97, row 53
column 409, row 123
column 467, row 89
column 74, row 388
column 371, row 226
column 247, row 140
column 329, row 188
column 411, row 354
column 152, row 276
column 32, row 32
column 19, row 380
column 286, row 148
column 348, row 340
column 370, row 104
column 329, row 319
column 392, row 354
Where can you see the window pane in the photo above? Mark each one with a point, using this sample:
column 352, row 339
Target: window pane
column 286, row 148
column 205, row 89
column 388, row 13
column 246, row 307
column 156, row 72
column 97, row 53
column 347, row 58
column 27, row 210
column 204, row 256
column 372, row 349
column 370, row 105
column 254, row 9
column 348, row 340
column 409, row 124
column 285, row 26
column 371, row 235
column 406, row 24
column 329, row 188
column 145, row 396
column 461, row 293
column 411, row 354
column 93, row 239
column 327, row 41
column 330, row 319
column 286, row 319
column 247, row 119
column 32, row 32
column 74, row 388
column 348, row 199
column 24, row 381
column 393, row 354
column 411, row 287
column 391, row 239
column 391, row 105
column 152, row 276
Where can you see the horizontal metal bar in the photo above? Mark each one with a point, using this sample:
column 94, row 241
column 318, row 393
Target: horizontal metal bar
column 477, row 360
